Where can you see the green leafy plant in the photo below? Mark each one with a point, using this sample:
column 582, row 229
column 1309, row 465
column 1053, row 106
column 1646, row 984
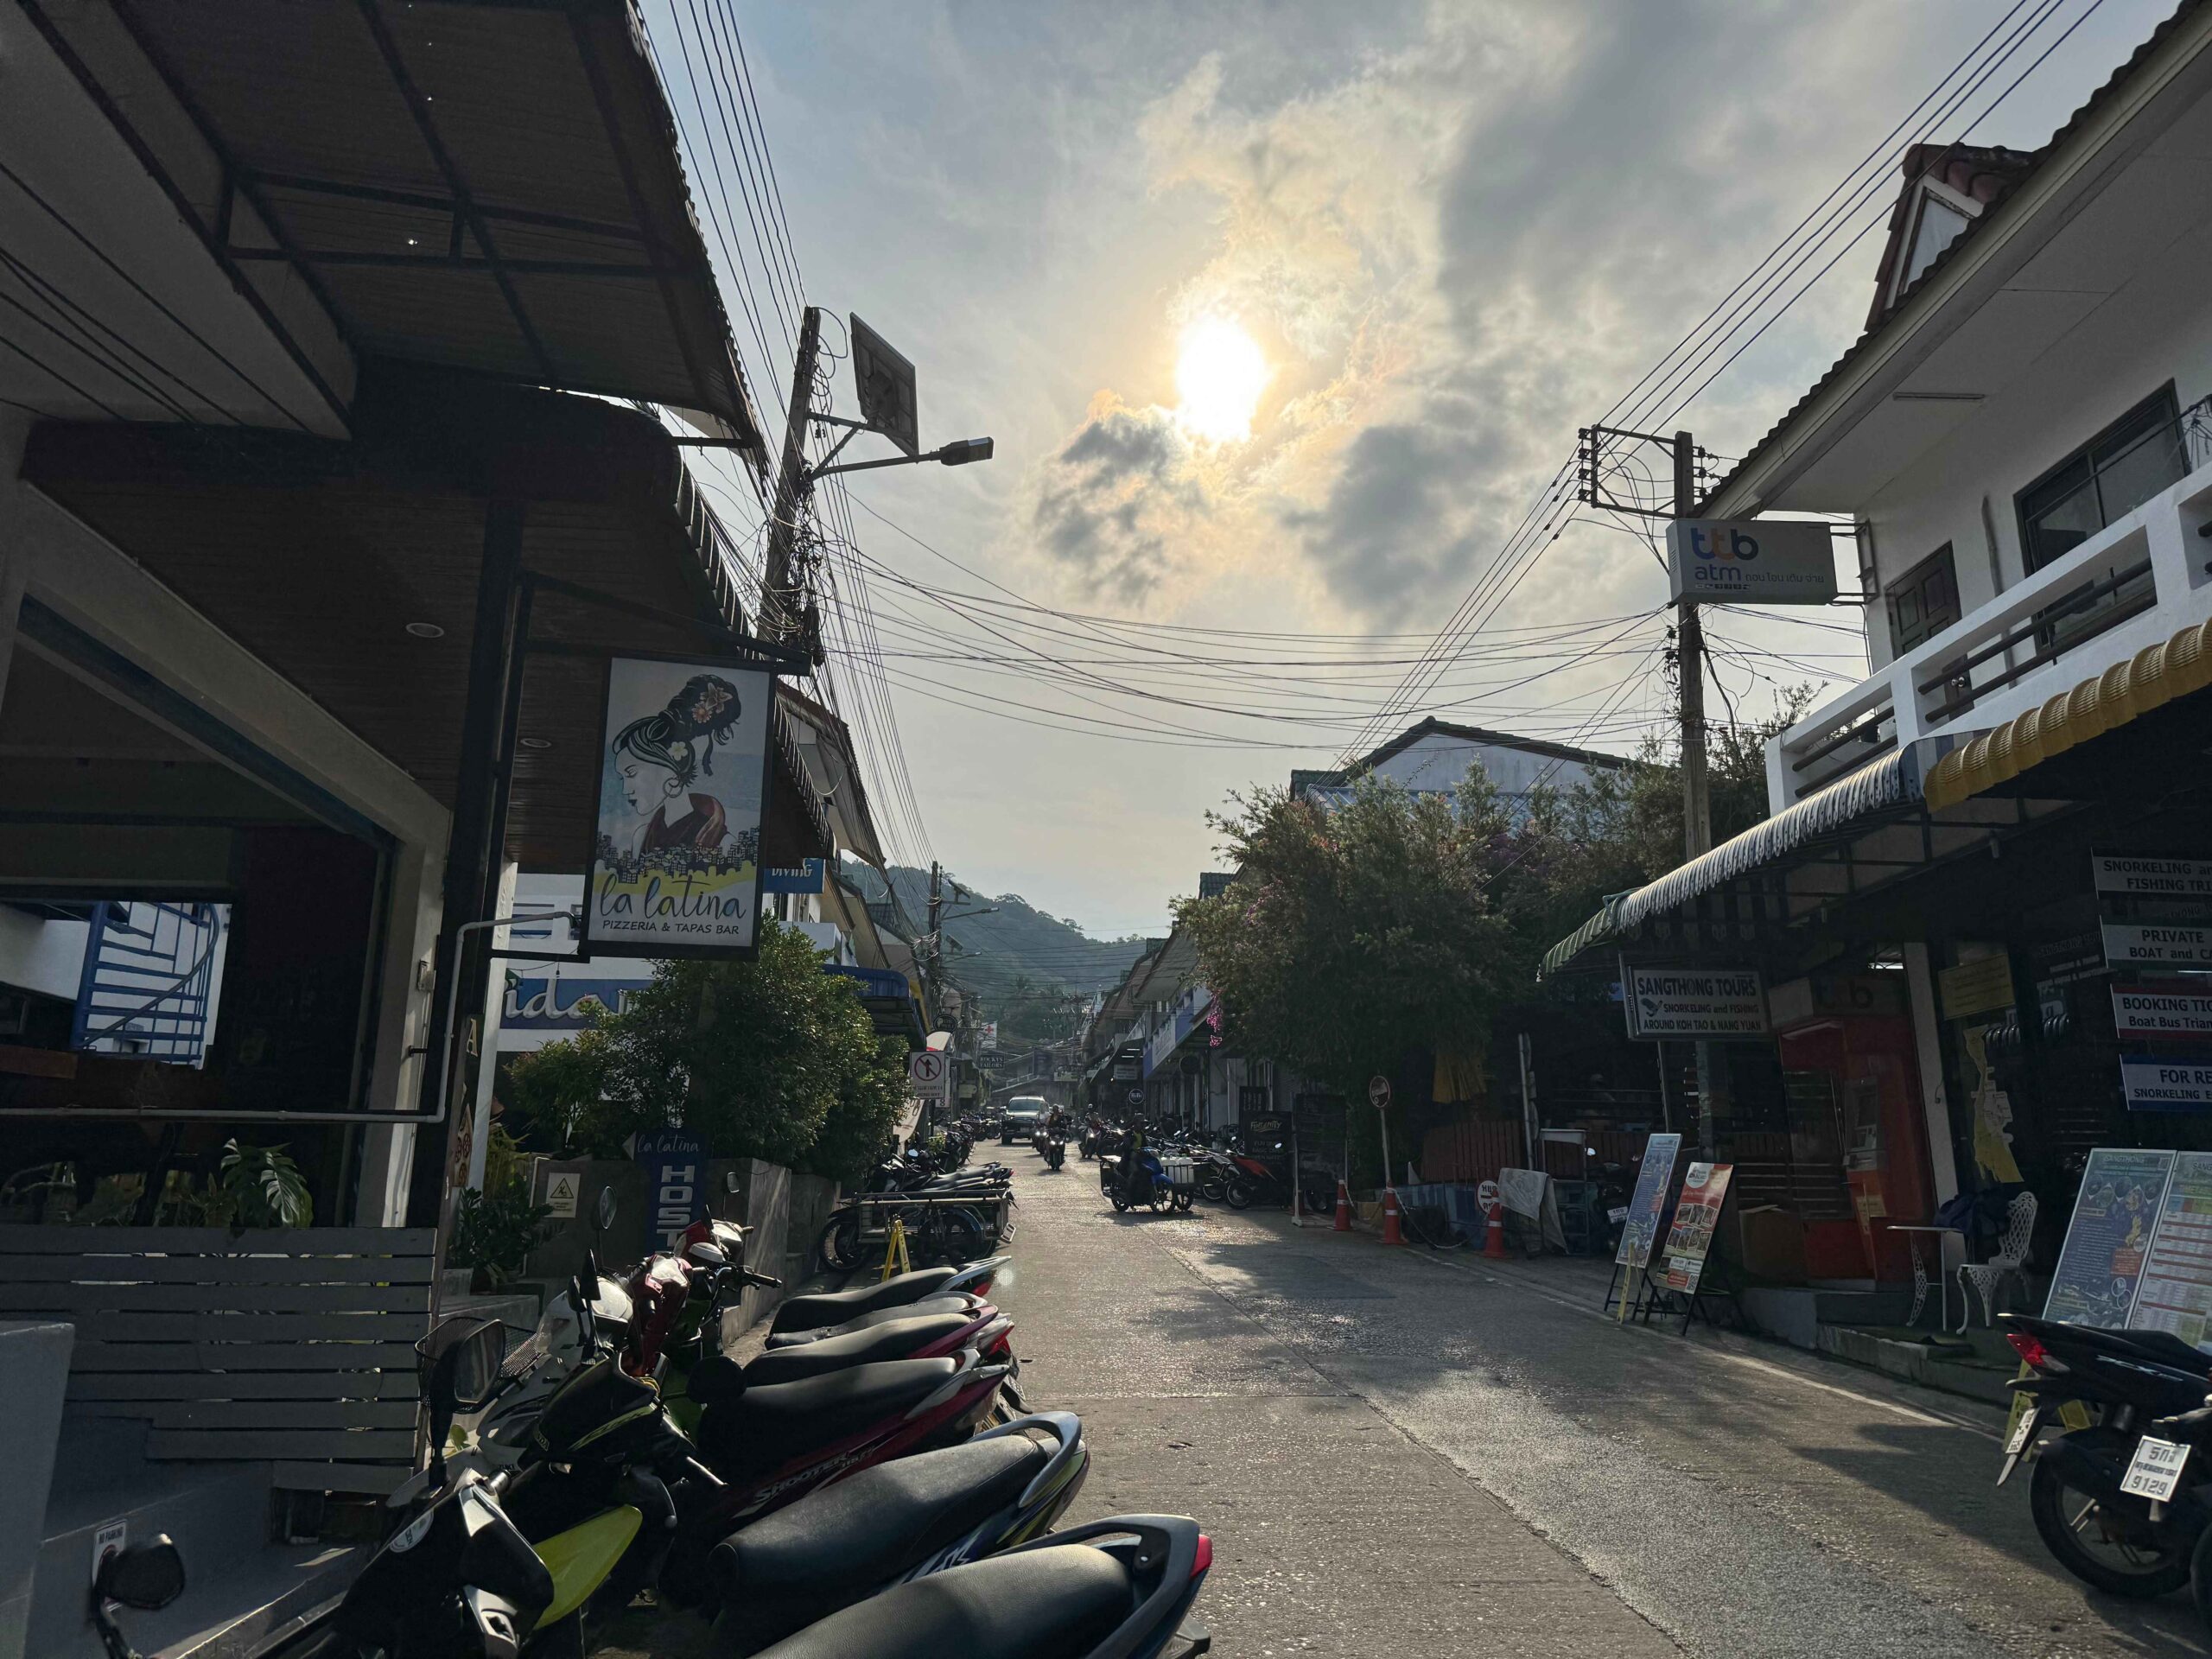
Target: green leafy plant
column 496, row 1234
column 261, row 1187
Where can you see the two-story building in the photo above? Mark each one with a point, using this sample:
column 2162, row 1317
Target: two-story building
column 1972, row 901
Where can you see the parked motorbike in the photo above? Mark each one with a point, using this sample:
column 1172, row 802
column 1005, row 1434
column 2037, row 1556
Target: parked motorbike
column 894, row 1523
column 2128, row 1384
column 1252, row 1180
column 1115, row 1588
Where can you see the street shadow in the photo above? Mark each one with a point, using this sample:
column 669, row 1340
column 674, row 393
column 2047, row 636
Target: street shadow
column 1919, row 1466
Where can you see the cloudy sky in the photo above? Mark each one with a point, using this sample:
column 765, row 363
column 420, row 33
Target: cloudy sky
column 1282, row 315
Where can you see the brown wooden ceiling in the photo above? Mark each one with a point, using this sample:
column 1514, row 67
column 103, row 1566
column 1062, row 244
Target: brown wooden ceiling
column 316, row 555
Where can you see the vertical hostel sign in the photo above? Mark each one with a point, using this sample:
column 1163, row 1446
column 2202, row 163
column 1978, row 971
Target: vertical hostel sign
column 675, row 864
column 675, row 1162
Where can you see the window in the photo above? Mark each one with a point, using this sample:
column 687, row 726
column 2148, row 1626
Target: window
column 1924, row 601
column 2107, row 478
column 1935, row 228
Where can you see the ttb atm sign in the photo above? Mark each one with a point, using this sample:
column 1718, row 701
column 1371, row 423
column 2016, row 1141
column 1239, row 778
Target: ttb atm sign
column 675, row 1162
column 1751, row 561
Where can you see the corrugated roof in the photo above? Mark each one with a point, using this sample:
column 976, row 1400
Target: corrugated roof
column 489, row 187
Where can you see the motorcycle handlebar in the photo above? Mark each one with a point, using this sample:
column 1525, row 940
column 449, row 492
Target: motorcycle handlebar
column 766, row 1280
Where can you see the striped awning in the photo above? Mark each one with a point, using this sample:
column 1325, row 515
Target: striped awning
column 1891, row 782
column 2155, row 676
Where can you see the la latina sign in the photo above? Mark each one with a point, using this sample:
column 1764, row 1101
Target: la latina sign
column 1751, row 561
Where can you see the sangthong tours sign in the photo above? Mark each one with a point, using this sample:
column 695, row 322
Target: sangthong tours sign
column 675, row 865
column 1695, row 1002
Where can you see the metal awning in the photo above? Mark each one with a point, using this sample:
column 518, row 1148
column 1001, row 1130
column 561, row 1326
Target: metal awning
column 471, row 184
column 1854, row 839
column 316, row 555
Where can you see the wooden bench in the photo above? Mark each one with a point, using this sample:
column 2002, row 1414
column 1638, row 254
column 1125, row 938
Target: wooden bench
column 291, row 1347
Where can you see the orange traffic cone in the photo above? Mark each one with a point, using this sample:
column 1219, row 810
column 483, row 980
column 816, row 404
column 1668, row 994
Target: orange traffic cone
column 1494, row 1245
column 1344, row 1209
column 1390, row 1233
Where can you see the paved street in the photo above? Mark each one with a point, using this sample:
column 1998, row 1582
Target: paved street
column 1396, row 1453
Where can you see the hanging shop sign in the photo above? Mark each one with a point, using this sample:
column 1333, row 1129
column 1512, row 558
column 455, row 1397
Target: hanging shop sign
column 1697, row 1218
column 804, row 879
column 2152, row 1084
column 1640, row 1228
column 2153, row 878
column 1751, row 561
column 2158, row 944
column 2123, row 1191
column 1725, row 1003
column 2176, row 1008
column 675, row 1162
column 675, row 865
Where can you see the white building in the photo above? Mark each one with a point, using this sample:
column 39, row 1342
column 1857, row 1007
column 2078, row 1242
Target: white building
column 1436, row 756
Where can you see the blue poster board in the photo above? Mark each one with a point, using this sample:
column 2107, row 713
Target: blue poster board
column 2115, row 1214
column 675, row 1162
column 1641, row 1230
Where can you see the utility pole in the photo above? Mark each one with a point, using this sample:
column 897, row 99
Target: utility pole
column 1697, row 792
column 778, row 616
column 1689, row 659
column 1603, row 455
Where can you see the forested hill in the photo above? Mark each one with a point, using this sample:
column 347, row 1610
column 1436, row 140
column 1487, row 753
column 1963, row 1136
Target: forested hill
column 1016, row 945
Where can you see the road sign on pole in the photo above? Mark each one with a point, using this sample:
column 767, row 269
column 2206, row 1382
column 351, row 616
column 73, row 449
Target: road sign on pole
column 928, row 1075
column 1378, row 1092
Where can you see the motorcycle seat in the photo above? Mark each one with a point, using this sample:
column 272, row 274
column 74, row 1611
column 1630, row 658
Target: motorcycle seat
column 928, row 1306
column 835, row 1306
column 892, row 1339
column 1067, row 1600
column 839, row 1543
column 764, row 1428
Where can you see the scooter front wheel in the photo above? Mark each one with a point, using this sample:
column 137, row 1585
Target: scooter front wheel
column 1238, row 1195
column 1120, row 1203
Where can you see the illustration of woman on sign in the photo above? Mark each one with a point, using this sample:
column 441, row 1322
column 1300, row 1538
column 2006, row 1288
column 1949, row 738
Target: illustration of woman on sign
column 660, row 758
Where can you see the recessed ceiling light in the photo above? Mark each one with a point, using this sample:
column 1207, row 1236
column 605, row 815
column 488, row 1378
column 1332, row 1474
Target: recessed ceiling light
column 426, row 631
column 534, row 742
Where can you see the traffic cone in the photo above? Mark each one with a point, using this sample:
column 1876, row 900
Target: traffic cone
column 1344, row 1209
column 1494, row 1245
column 1390, row 1233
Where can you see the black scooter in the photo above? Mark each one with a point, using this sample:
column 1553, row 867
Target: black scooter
column 1052, row 1147
column 2129, row 1385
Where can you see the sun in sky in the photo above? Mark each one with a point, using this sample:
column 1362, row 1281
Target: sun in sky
column 1219, row 375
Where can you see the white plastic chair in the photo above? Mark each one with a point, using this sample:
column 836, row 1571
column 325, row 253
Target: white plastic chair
column 1988, row 1278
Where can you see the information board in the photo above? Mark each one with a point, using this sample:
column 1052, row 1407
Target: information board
column 2158, row 944
column 2177, row 1007
column 1697, row 1217
column 2152, row 1084
column 2123, row 1193
column 2154, row 878
column 2175, row 1290
column 1641, row 1230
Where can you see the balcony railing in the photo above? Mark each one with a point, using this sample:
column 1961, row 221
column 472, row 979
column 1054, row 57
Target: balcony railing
column 2130, row 585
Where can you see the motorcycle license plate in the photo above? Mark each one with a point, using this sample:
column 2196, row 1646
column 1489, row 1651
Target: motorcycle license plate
column 2155, row 1471
column 2017, row 1443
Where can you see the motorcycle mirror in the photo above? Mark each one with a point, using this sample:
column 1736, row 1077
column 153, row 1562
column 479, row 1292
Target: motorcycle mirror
column 603, row 1212
column 731, row 1184
column 147, row 1574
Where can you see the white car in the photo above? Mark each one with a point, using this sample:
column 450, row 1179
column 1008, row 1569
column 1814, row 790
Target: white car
column 1024, row 1115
